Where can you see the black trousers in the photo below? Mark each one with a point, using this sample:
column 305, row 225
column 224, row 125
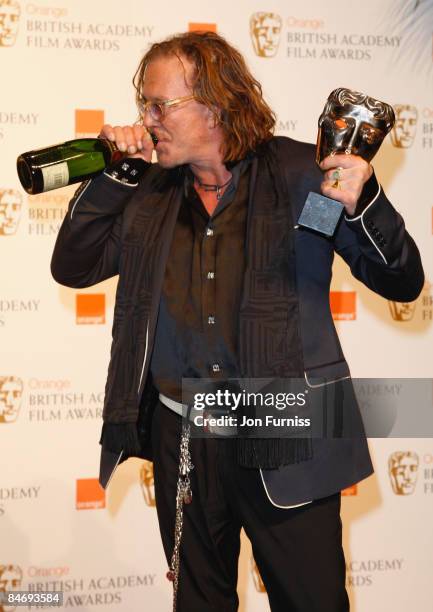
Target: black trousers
column 298, row 551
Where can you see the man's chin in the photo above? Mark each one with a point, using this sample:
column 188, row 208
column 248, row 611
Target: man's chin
column 165, row 161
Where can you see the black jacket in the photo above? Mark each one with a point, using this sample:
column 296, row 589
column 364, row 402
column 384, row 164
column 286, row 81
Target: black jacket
column 113, row 229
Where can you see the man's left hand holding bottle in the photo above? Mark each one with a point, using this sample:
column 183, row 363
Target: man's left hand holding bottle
column 136, row 143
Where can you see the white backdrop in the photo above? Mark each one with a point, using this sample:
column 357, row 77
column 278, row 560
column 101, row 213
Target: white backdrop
column 66, row 67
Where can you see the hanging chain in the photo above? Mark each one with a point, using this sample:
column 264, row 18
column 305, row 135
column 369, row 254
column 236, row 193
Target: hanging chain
column 183, row 496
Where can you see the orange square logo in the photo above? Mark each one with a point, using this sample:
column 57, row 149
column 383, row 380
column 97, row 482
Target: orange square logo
column 90, row 308
column 343, row 305
column 90, row 494
column 202, row 27
column 88, row 123
column 353, row 490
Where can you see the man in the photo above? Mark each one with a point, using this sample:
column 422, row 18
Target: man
column 216, row 281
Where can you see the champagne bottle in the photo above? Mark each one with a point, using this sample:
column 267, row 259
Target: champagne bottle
column 64, row 164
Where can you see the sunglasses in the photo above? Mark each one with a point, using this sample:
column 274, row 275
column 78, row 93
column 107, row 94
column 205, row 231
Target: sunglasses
column 157, row 109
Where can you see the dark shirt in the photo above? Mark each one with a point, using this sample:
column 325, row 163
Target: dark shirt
column 197, row 328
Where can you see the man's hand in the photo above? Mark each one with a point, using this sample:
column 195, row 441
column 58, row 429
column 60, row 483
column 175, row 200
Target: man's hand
column 353, row 173
column 133, row 140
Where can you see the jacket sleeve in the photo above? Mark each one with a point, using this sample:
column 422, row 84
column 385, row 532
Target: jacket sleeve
column 88, row 245
column 380, row 252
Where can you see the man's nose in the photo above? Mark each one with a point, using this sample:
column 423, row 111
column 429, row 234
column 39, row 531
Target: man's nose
column 147, row 120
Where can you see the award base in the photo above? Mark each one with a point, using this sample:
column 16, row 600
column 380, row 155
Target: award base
column 320, row 214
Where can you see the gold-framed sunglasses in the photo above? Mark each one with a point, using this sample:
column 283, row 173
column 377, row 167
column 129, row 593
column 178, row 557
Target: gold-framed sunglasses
column 157, row 109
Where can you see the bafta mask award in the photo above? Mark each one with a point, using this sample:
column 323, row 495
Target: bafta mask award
column 351, row 123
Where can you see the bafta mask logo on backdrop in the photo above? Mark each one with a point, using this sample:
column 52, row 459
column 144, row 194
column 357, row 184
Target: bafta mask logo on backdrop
column 10, row 580
column 403, row 472
column 404, row 130
column 402, row 311
column 10, row 211
column 9, row 22
column 265, row 30
column 11, row 391
column 147, row 483
column 257, row 579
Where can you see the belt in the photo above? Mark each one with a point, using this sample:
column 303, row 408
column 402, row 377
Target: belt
column 183, row 410
column 177, row 407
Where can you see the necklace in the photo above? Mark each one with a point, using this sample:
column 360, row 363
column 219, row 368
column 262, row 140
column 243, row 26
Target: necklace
column 210, row 187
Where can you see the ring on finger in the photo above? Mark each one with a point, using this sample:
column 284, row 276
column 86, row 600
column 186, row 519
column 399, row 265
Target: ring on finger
column 336, row 176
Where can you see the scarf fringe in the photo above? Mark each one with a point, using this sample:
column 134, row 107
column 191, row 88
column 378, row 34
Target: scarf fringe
column 273, row 453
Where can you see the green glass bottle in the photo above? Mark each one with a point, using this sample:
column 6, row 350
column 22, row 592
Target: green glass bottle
column 64, row 164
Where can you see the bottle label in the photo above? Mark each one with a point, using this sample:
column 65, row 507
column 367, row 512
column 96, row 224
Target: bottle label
column 116, row 155
column 55, row 176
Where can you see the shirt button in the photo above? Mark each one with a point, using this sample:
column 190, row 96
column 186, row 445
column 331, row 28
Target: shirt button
column 215, row 367
column 211, row 320
column 209, row 232
column 211, row 275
